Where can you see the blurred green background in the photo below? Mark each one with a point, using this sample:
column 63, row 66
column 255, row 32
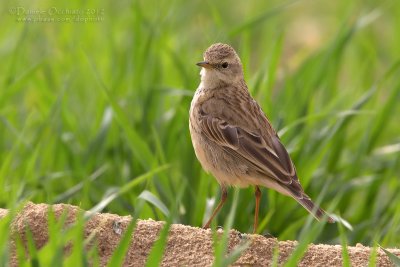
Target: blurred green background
column 87, row 107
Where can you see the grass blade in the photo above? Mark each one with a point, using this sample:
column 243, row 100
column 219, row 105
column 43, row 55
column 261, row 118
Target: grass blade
column 118, row 256
column 393, row 258
column 150, row 197
column 127, row 187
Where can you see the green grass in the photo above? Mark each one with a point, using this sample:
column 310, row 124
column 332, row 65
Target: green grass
column 87, row 108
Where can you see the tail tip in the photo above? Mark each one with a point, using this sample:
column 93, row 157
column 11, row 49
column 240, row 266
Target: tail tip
column 331, row 220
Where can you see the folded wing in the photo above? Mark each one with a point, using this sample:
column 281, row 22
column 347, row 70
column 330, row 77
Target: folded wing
column 268, row 158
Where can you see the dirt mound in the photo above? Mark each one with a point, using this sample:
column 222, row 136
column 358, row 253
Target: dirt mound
column 187, row 246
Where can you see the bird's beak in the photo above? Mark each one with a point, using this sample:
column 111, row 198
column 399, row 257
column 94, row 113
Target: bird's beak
column 204, row 64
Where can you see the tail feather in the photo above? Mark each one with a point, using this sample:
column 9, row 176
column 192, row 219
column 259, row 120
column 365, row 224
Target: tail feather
column 295, row 190
column 316, row 211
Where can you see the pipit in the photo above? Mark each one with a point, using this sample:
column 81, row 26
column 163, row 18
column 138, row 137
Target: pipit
column 232, row 137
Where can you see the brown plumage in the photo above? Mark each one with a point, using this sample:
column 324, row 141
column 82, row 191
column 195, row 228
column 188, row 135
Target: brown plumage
column 233, row 138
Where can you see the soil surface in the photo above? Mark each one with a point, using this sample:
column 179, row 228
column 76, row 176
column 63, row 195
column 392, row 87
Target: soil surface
column 186, row 246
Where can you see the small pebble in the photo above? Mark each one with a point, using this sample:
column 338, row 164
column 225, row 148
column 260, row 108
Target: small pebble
column 117, row 227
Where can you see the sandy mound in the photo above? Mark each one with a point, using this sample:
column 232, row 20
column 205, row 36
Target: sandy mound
column 187, row 246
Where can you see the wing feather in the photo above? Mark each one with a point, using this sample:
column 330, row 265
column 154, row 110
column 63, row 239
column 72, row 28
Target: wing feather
column 250, row 147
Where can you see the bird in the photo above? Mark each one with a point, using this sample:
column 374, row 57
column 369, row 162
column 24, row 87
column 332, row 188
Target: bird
column 233, row 138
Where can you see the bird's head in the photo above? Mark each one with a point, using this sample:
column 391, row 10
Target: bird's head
column 221, row 65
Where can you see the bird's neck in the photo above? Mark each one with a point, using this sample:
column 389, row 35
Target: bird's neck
column 209, row 79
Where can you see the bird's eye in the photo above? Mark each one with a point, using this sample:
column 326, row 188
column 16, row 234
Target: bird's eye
column 225, row 65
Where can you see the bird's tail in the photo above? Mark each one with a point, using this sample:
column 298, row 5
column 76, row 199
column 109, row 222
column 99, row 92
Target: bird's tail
column 316, row 211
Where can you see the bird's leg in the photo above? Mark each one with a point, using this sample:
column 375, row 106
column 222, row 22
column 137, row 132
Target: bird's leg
column 224, row 195
column 257, row 193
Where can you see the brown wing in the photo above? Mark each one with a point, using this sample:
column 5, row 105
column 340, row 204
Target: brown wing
column 271, row 160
